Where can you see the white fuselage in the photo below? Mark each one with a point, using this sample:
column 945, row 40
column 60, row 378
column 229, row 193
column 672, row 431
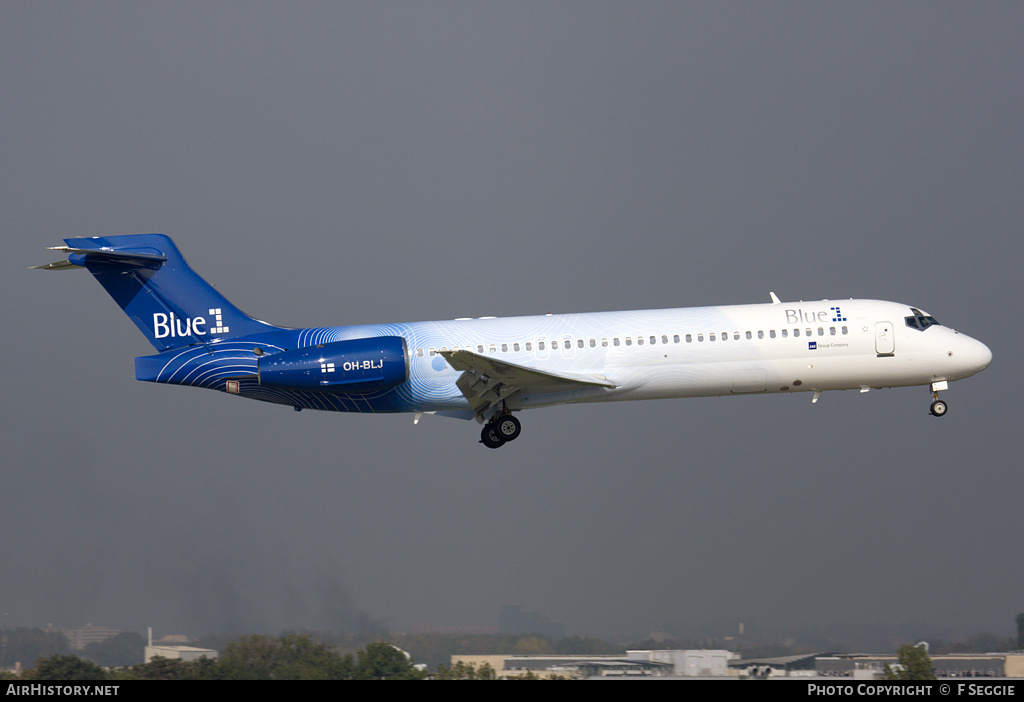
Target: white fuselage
column 704, row 351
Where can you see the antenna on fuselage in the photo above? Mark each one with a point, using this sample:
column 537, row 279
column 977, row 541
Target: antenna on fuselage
column 775, row 299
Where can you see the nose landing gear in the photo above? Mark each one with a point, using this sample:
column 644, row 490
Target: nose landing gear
column 938, row 407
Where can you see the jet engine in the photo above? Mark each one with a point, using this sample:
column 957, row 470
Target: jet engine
column 351, row 366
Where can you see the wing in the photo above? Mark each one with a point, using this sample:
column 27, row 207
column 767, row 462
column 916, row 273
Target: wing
column 487, row 381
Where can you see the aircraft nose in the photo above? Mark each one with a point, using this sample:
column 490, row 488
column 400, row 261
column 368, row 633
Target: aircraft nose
column 984, row 355
column 973, row 355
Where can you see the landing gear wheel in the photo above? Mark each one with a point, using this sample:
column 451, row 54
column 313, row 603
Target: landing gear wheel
column 490, row 438
column 939, row 408
column 508, row 427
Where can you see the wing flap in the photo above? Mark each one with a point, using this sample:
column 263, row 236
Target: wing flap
column 486, row 381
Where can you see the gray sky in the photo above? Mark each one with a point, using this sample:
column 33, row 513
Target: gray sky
column 335, row 163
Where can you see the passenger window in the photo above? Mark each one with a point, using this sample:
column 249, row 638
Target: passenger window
column 604, row 343
column 554, row 343
column 749, row 336
column 785, row 334
column 760, row 334
column 700, row 338
column 515, row 346
column 639, row 341
column 593, row 343
column 615, row 341
column 529, row 346
column 675, row 339
column 504, row 348
column 845, row 331
column 711, row 336
column 772, row 333
column 629, row 341
column 832, row 331
column 579, row 343
column 419, row 352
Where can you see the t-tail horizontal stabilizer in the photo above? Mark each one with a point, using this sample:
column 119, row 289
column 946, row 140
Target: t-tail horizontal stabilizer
column 160, row 293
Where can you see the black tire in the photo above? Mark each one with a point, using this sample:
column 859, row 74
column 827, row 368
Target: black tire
column 508, row 427
column 489, row 437
column 939, row 408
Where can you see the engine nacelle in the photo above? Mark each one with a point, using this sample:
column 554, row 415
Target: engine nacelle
column 352, row 366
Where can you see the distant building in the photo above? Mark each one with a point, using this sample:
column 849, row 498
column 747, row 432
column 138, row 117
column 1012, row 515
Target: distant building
column 80, row 638
column 954, row 665
column 800, row 665
column 691, row 663
column 653, row 663
column 727, row 664
column 175, row 652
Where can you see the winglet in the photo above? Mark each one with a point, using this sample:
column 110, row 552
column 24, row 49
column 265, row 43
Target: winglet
column 775, row 299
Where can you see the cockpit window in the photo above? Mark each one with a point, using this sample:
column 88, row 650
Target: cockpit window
column 920, row 320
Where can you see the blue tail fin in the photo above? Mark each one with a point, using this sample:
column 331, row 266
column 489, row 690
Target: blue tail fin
column 150, row 280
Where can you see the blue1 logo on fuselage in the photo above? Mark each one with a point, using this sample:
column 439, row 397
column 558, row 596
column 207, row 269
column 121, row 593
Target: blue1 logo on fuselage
column 165, row 325
column 798, row 315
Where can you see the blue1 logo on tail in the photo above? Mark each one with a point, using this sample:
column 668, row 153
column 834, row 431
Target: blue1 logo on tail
column 489, row 368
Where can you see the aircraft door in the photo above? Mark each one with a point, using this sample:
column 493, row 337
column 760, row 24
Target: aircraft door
column 885, row 339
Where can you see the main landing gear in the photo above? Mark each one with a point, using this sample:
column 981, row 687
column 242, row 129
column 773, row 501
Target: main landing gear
column 502, row 428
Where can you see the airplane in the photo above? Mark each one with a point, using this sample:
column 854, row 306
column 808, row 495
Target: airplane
column 489, row 368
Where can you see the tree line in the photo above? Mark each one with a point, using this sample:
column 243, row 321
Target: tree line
column 289, row 657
